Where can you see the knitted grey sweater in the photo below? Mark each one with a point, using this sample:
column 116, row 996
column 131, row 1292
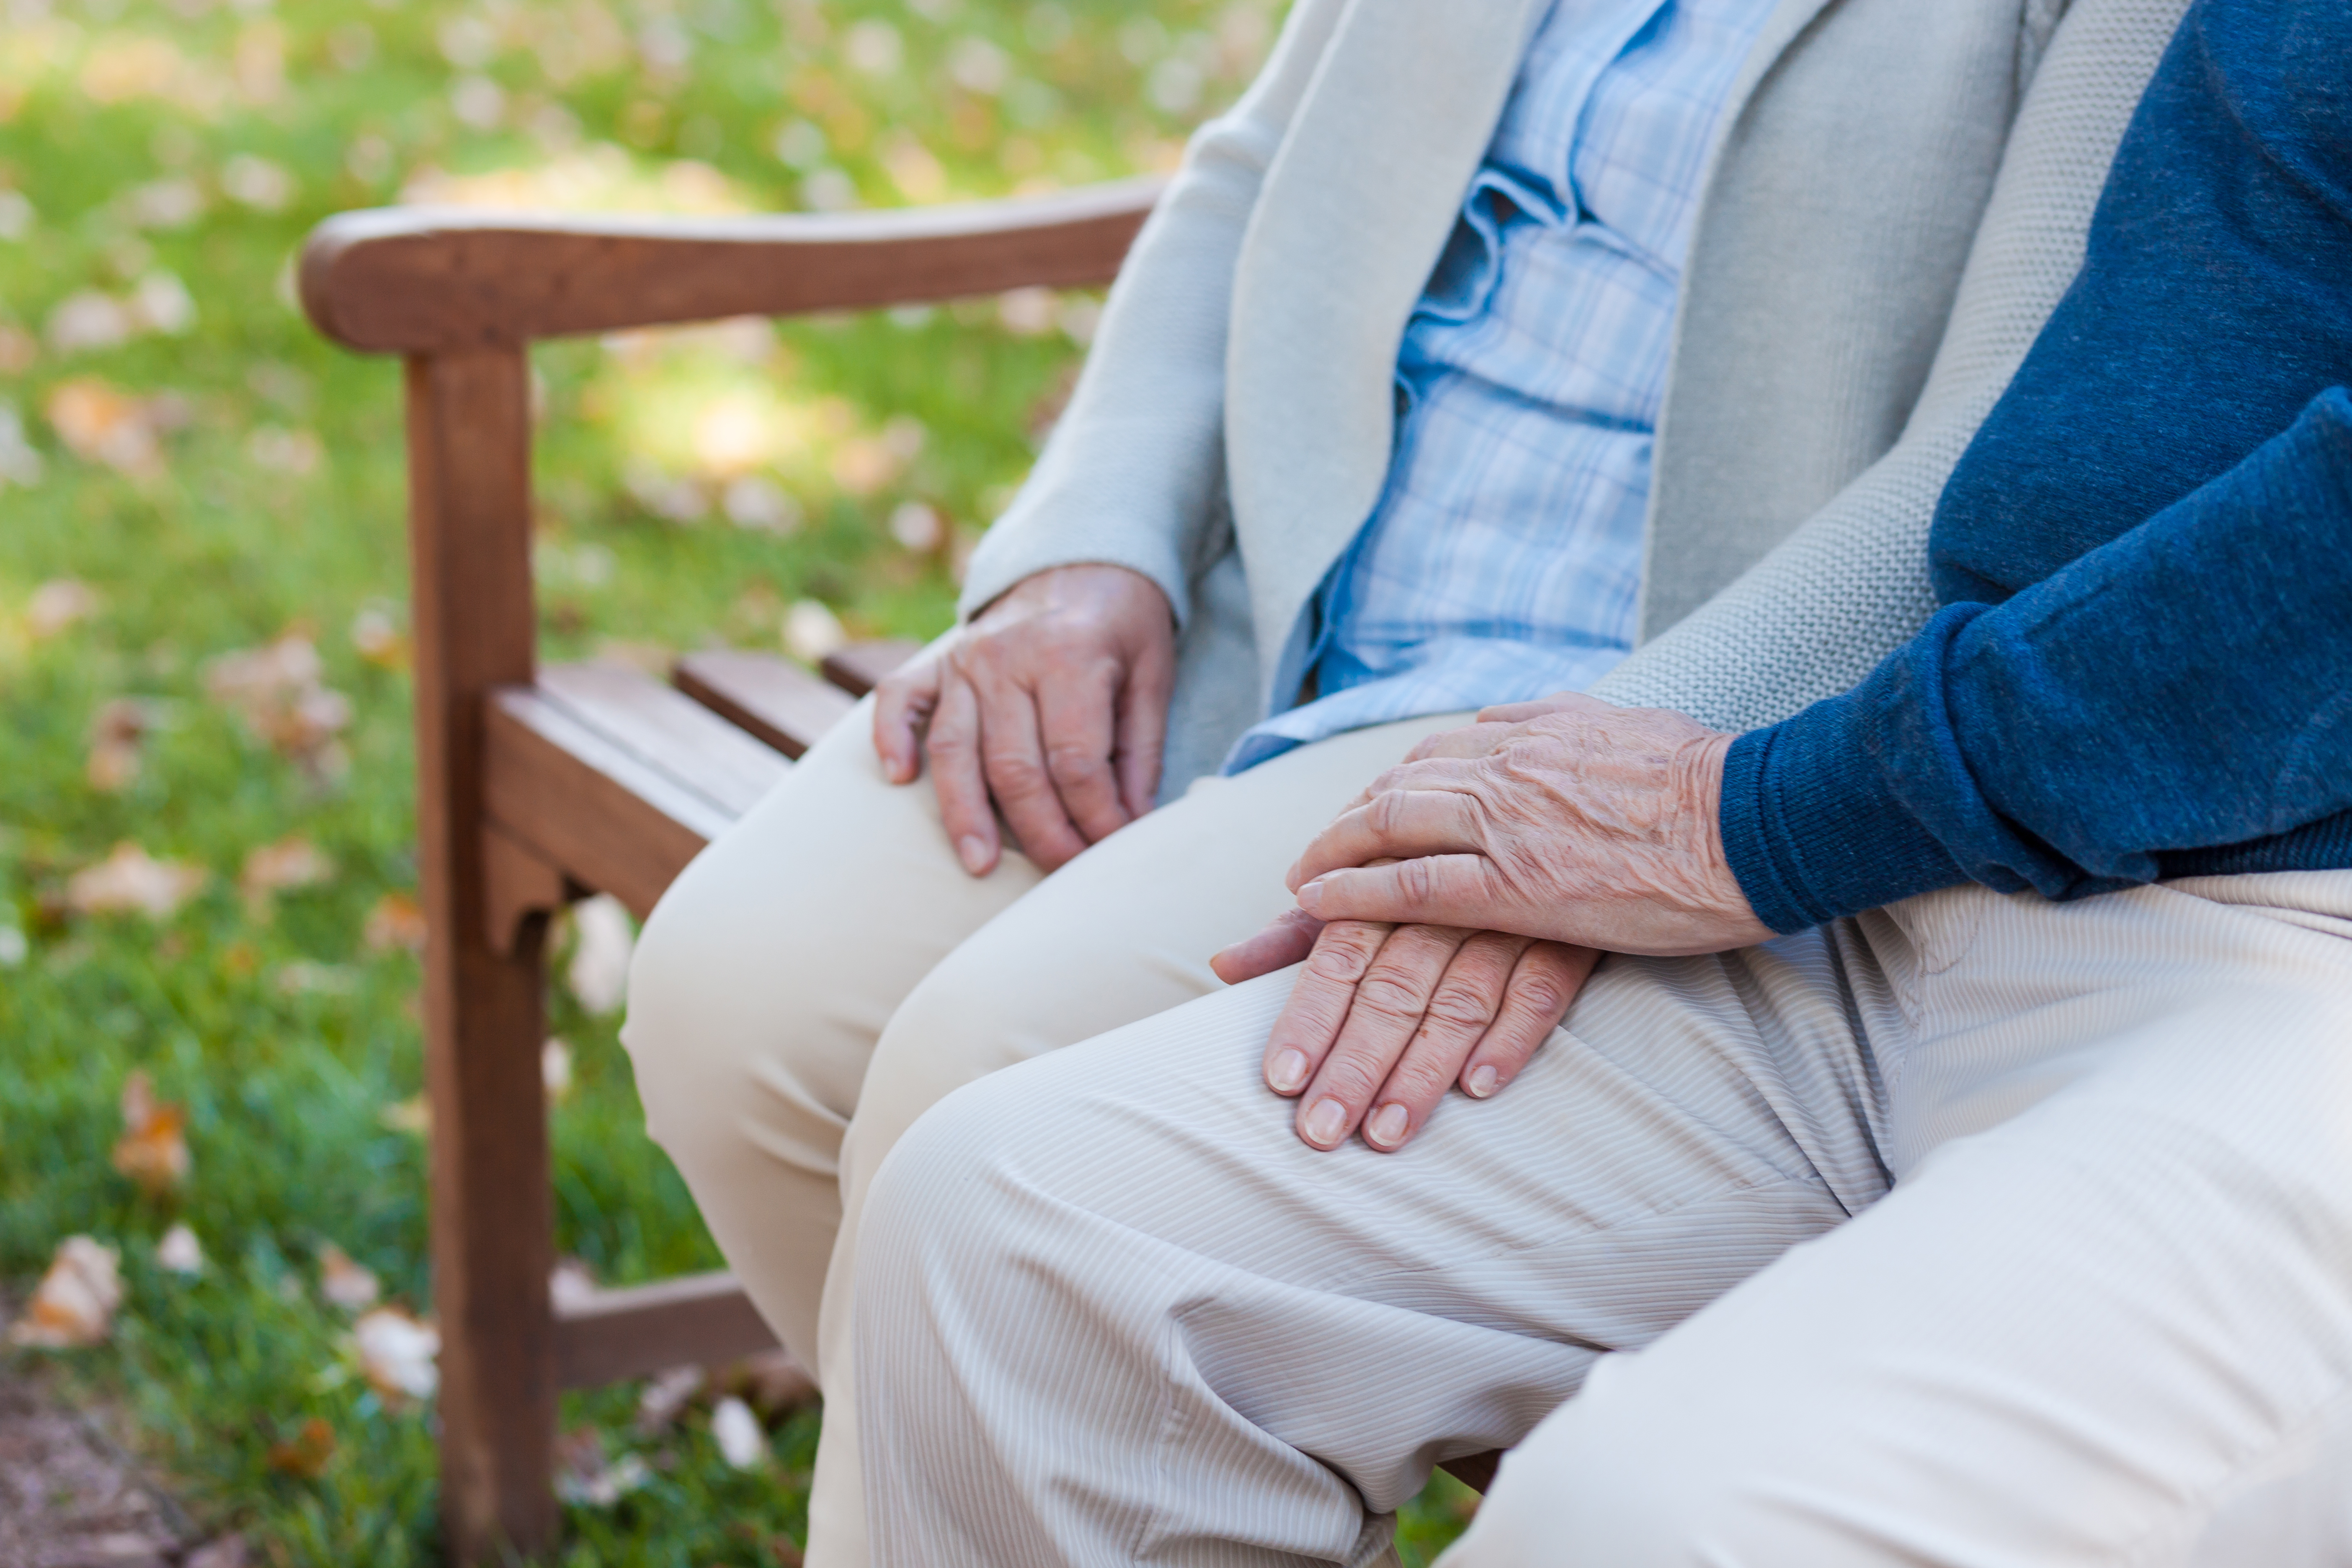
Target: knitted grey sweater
column 1820, row 611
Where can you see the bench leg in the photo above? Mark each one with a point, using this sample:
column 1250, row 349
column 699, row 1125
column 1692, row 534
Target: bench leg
column 470, row 496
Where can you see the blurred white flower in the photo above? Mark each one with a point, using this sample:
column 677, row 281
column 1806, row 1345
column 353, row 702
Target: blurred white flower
column 16, row 215
column 256, row 182
column 179, row 1252
column 828, row 191
column 874, row 48
column 161, row 304
column 1026, row 312
column 478, row 101
column 175, row 202
column 20, row 461
column 811, row 631
column 467, row 42
column 1174, row 86
column 606, row 938
column 977, row 65
column 917, row 526
column 736, row 1431
column 86, row 319
column 761, row 504
column 555, row 1069
column 801, row 145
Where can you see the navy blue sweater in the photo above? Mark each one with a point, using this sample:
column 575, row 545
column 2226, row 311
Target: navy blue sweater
column 2143, row 667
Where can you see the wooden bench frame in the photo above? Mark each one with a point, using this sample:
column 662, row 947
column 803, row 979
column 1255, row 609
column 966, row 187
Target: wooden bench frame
column 535, row 786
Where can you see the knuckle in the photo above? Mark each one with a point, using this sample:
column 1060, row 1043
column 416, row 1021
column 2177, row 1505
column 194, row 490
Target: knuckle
column 1460, row 1007
column 1388, row 995
column 1343, row 952
column 1349, row 1076
column 1540, row 994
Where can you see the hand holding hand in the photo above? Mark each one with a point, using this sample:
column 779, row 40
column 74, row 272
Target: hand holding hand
column 1052, row 704
column 1569, row 819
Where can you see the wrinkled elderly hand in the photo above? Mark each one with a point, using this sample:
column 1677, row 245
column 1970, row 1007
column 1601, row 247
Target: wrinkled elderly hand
column 1051, row 705
column 1567, row 820
column 1385, row 1018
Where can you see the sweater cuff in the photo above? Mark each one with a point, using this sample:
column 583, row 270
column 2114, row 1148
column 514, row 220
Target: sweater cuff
column 1813, row 827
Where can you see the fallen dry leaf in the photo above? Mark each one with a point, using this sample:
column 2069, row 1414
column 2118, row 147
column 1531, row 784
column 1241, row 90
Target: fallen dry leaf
column 153, row 1148
column 282, row 867
column 276, row 691
column 131, row 882
column 307, row 1453
column 395, row 921
column 58, row 604
column 75, row 1303
column 665, row 1397
column 584, row 1475
column 100, row 423
column 605, row 939
column 227, row 1551
column 179, row 1252
column 397, row 1353
column 742, row 1442
column 116, row 744
column 343, row 1282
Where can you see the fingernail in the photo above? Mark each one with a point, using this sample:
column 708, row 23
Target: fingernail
column 974, row 852
column 1308, row 894
column 1288, row 1072
column 1481, row 1081
column 1324, row 1122
column 1386, row 1128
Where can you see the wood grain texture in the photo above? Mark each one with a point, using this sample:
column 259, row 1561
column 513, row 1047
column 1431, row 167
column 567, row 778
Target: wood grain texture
column 439, row 279
column 696, row 1320
column 612, row 822
column 858, row 668
column 470, row 533
column 767, row 696
column 668, row 730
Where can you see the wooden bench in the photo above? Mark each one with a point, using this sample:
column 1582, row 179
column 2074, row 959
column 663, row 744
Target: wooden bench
column 537, row 785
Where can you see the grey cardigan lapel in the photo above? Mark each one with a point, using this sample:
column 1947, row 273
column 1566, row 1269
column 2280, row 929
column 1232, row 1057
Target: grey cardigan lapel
column 1355, row 208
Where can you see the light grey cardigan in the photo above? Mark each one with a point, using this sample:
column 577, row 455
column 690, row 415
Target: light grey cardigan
column 1873, row 253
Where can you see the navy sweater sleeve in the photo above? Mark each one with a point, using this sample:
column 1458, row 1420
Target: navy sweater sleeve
column 2174, row 700
column 2136, row 671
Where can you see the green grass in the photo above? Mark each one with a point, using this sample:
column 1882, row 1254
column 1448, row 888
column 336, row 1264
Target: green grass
column 197, row 142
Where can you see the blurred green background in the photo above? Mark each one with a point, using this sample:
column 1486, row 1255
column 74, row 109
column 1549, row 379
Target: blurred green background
column 206, row 858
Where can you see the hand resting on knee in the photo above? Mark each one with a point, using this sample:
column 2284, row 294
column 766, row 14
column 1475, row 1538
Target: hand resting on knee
column 1449, row 916
column 1050, row 705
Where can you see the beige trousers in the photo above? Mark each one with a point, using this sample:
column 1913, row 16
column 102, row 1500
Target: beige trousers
column 825, row 973
column 1977, row 1232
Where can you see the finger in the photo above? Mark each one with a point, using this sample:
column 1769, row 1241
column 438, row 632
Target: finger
column 1397, row 823
column 1287, row 940
column 1471, row 741
column 952, row 744
column 1012, row 759
column 1457, row 1018
column 1542, row 987
column 1077, row 717
column 1301, row 1037
column 1390, row 1000
column 1509, row 713
column 1143, row 727
column 902, row 700
column 1435, row 889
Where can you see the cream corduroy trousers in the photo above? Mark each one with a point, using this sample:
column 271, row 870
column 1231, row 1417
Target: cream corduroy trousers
column 826, row 972
column 1980, row 1232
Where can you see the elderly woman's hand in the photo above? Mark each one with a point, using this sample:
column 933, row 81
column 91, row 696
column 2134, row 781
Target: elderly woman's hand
column 1391, row 1011
column 1567, row 820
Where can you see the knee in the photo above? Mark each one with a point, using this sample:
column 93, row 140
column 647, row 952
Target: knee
column 727, row 1020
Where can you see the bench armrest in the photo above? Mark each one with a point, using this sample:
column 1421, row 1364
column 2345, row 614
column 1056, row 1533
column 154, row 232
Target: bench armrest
column 424, row 280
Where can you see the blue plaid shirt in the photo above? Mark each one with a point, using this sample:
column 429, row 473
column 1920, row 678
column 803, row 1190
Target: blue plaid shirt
column 1502, row 560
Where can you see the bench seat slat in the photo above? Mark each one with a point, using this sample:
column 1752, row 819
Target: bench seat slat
column 763, row 694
